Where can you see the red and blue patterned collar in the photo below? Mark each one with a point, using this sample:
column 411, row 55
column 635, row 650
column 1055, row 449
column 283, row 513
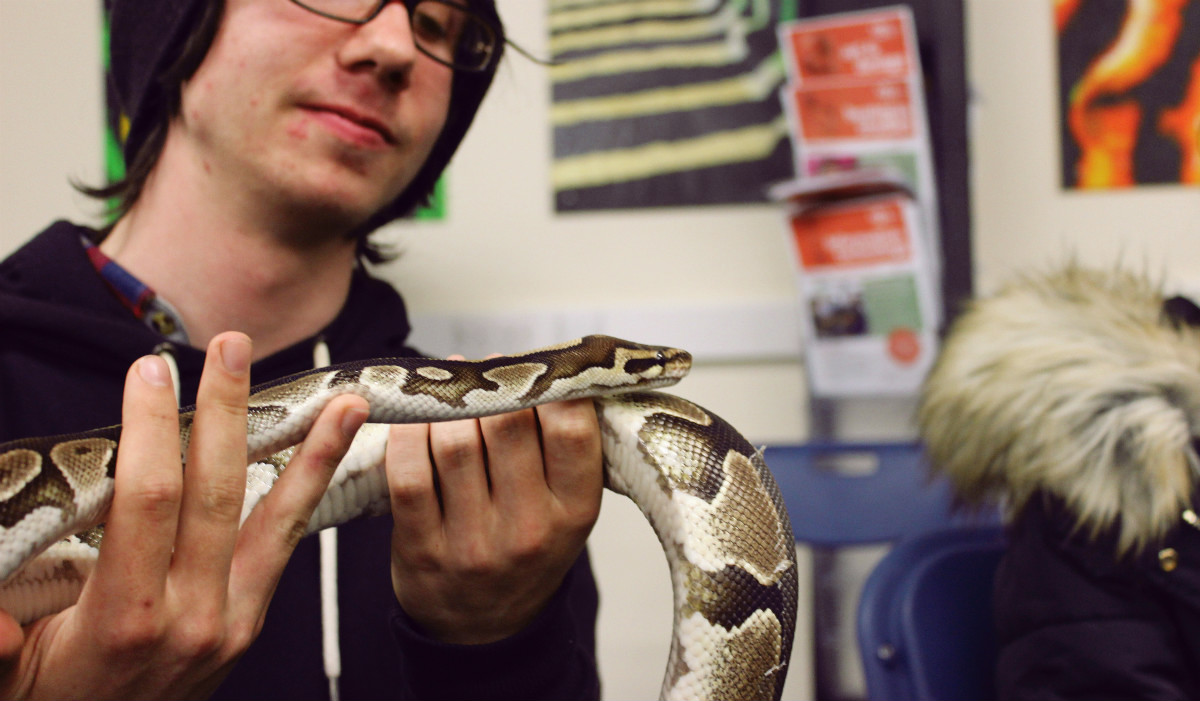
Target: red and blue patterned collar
column 137, row 296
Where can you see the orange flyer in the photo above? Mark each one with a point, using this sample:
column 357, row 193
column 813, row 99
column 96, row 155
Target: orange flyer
column 881, row 111
column 841, row 237
column 867, row 298
column 867, row 46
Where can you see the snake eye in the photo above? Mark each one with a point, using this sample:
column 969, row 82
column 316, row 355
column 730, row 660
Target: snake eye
column 646, row 366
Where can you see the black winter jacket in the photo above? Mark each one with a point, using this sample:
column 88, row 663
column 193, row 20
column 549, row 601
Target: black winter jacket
column 65, row 345
column 1076, row 622
column 1073, row 395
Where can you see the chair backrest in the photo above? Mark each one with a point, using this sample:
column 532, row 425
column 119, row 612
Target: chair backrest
column 840, row 494
column 925, row 627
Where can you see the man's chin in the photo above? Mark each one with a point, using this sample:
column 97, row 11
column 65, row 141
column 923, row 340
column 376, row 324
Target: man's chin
column 315, row 220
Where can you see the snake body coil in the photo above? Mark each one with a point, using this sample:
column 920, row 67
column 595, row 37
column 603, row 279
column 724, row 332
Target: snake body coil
column 704, row 489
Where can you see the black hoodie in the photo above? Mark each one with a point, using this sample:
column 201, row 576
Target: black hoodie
column 66, row 342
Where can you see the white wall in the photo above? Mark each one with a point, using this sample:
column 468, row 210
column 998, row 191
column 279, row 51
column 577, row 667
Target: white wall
column 51, row 112
column 503, row 249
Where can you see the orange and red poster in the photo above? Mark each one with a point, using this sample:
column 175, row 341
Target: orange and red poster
column 1129, row 92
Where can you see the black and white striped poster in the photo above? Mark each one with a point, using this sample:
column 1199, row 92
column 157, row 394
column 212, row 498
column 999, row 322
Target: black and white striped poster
column 662, row 103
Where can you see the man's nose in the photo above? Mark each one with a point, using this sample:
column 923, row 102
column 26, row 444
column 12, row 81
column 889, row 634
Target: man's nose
column 385, row 44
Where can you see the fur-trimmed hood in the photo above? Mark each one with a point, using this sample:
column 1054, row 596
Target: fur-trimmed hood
column 1078, row 384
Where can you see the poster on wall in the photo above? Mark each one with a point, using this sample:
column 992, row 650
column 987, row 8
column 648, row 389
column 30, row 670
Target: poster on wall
column 870, row 311
column 1129, row 92
column 666, row 104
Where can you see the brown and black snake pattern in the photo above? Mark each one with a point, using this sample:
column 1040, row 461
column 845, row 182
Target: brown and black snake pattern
column 705, row 490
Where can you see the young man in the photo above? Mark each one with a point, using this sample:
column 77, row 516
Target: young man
column 267, row 138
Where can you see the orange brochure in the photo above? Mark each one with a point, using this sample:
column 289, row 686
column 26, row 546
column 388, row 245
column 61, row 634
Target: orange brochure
column 854, row 46
column 868, row 304
column 878, row 111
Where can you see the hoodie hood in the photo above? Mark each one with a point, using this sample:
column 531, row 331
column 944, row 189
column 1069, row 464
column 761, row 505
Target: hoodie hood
column 66, row 341
column 1083, row 384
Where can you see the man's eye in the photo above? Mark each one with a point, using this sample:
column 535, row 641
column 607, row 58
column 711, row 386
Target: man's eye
column 430, row 27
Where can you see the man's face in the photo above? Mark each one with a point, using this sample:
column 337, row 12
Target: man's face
column 299, row 110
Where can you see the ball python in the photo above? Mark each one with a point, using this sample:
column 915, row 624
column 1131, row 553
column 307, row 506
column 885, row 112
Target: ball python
column 705, row 490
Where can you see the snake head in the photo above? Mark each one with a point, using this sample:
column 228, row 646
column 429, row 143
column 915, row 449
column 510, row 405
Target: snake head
column 647, row 366
column 591, row 366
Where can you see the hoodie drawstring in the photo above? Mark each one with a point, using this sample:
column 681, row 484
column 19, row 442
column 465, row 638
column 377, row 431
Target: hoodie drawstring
column 166, row 351
column 331, row 651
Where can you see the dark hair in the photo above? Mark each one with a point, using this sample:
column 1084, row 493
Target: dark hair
column 141, row 153
column 157, row 45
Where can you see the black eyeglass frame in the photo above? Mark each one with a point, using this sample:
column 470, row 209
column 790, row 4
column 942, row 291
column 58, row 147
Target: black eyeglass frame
column 497, row 35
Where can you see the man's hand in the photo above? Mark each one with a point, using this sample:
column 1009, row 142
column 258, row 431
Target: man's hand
column 179, row 591
column 490, row 515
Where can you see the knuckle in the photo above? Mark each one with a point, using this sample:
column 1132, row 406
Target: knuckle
column 417, row 558
column 510, row 428
column 566, row 522
column 158, row 493
column 409, row 494
column 574, row 434
column 579, row 528
column 239, row 635
column 581, row 513
column 456, row 448
column 222, row 499
column 291, row 531
column 584, row 519
column 476, row 560
column 530, row 545
column 131, row 633
column 322, row 453
column 199, row 637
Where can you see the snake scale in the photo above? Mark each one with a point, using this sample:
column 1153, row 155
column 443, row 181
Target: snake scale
column 705, row 490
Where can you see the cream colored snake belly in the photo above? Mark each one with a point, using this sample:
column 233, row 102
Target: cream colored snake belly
column 705, row 490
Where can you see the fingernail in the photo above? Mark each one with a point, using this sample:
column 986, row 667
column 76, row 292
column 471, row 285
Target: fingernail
column 352, row 420
column 235, row 354
column 153, row 371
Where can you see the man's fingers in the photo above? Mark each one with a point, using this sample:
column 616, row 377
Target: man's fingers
column 572, row 449
column 215, row 478
column 457, row 451
column 141, row 525
column 411, row 481
column 276, row 525
column 515, row 460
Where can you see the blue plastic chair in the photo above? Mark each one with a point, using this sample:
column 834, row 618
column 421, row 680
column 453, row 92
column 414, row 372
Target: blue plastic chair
column 841, row 494
column 925, row 627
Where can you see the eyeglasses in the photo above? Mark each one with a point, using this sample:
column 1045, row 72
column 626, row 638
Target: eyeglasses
column 446, row 31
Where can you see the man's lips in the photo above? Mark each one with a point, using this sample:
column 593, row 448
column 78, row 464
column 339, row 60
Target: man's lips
column 352, row 124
